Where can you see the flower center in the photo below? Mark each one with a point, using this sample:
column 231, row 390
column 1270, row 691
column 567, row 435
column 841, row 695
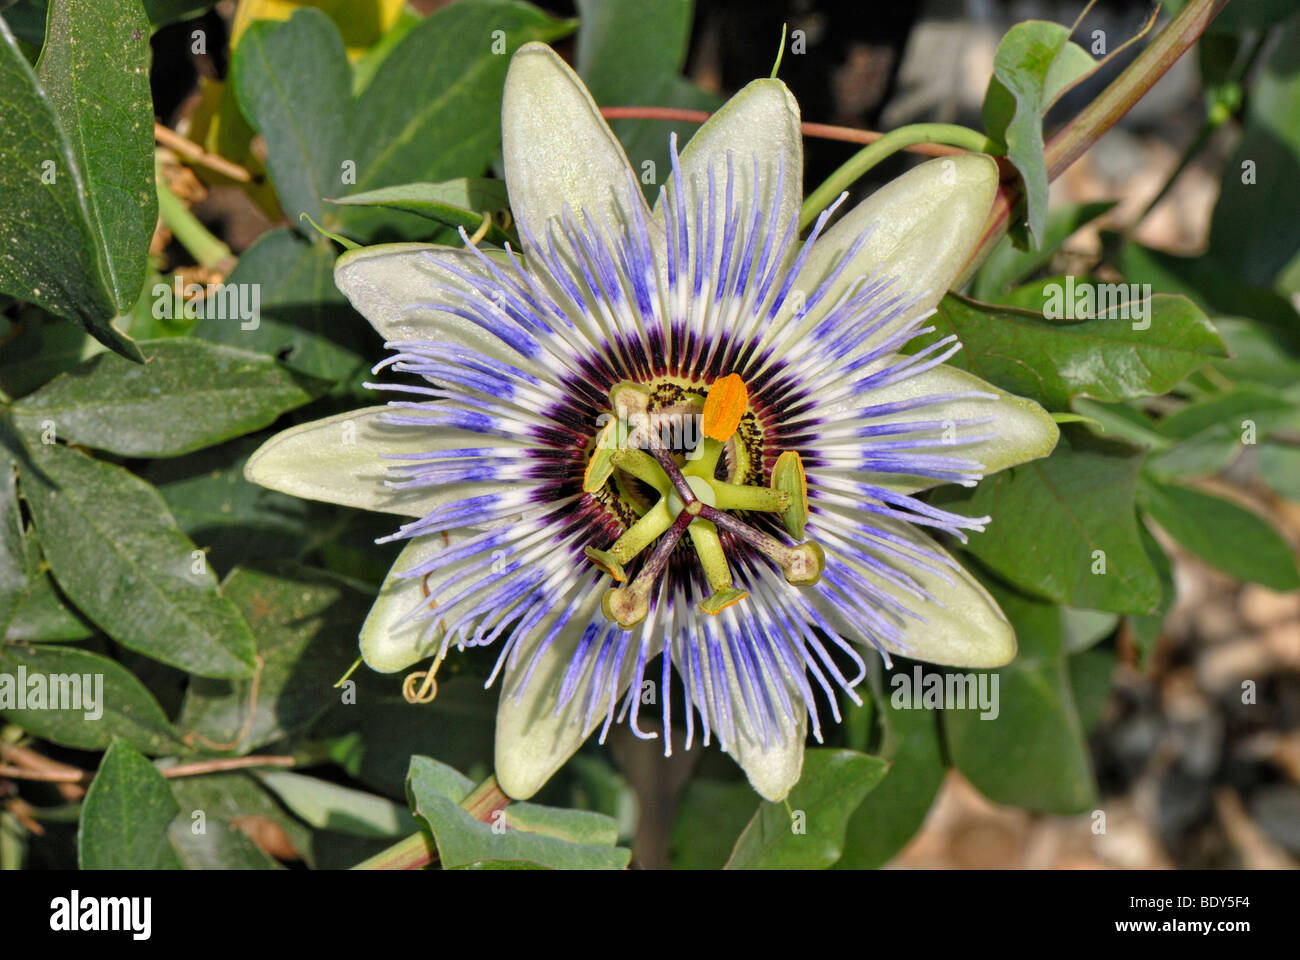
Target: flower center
column 676, row 453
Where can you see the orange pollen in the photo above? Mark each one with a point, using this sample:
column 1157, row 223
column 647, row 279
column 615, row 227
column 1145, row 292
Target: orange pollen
column 726, row 403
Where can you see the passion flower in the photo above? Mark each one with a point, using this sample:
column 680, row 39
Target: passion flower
column 677, row 433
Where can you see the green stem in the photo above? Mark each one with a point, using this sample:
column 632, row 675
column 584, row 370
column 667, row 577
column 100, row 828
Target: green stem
column 889, row 144
column 409, row 854
column 207, row 250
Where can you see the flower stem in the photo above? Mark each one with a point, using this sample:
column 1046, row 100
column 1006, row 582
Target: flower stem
column 889, row 144
column 206, row 249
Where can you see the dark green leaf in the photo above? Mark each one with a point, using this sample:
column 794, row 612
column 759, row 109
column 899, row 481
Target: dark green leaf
column 119, row 555
column 304, row 624
column 39, row 346
column 1057, row 520
column 1090, row 682
column 1104, row 358
column 1254, row 230
column 45, row 216
column 1213, row 287
column 185, row 396
column 1224, row 535
column 534, row 836
column 233, row 519
column 232, row 799
column 219, row 846
column 126, row 815
column 433, row 110
column 295, row 88
column 95, row 71
column 103, row 700
column 15, row 555
column 710, row 815
column 42, row 615
column 629, row 52
column 892, row 813
column 1033, row 753
column 808, row 830
column 304, row 320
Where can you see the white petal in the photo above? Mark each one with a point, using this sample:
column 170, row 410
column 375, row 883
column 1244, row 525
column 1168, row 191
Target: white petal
column 388, row 646
column 559, row 151
column 532, row 741
column 965, row 629
column 773, row 769
column 390, row 284
column 340, row 459
column 761, row 121
column 1021, row 429
column 924, row 225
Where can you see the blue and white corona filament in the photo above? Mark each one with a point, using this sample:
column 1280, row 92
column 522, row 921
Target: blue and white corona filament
column 672, row 440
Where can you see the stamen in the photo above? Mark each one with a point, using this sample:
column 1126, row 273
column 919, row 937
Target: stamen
column 802, row 565
column 629, row 605
column 726, row 403
column 789, row 478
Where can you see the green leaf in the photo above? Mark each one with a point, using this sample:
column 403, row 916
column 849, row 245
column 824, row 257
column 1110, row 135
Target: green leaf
column 15, row 554
column 1007, row 266
column 1212, row 286
column 433, row 110
column 1033, row 753
column 454, row 203
column 808, row 830
column 95, row 71
column 1224, row 535
column 219, row 846
column 1083, row 629
column 1279, row 468
column 126, row 815
column 328, row 806
column 38, row 347
column 892, row 813
column 1146, row 627
column 294, row 86
column 303, row 318
column 227, row 800
column 107, row 701
column 1090, row 682
column 535, row 836
column 233, row 519
column 1057, row 520
column 118, row 554
column 42, row 615
column 1104, row 358
column 185, row 396
column 298, row 619
column 630, row 52
column 54, row 253
column 1035, row 62
column 382, row 727
column 1254, row 231
column 710, row 815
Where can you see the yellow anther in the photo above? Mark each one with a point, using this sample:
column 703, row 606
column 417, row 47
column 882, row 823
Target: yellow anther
column 788, row 477
column 726, row 403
